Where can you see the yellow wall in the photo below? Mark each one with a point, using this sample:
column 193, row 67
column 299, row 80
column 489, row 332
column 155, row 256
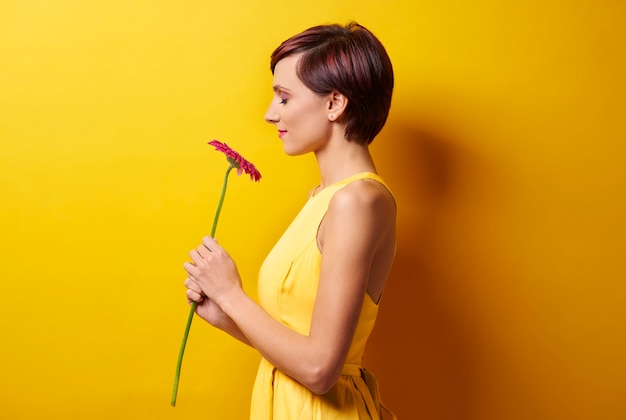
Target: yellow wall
column 505, row 148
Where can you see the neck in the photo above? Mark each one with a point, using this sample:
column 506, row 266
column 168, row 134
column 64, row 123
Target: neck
column 341, row 159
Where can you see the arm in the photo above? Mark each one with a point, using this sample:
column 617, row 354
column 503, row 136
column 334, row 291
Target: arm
column 351, row 233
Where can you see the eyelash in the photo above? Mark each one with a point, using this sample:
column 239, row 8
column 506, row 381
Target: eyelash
column 283, row 101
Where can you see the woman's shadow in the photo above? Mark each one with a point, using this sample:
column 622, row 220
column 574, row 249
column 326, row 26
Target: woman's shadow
column 421, row 350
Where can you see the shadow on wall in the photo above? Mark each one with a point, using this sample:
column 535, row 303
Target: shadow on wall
column 421, row 349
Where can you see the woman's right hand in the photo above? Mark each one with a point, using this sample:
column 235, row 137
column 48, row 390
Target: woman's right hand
column 206, row 308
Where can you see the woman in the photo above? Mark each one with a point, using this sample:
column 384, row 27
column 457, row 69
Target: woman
column 320, row 286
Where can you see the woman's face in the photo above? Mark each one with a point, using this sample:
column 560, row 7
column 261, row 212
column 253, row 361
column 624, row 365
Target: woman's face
column 299, row 114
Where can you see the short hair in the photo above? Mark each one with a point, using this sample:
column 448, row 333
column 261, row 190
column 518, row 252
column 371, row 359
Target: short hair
column 351, row 60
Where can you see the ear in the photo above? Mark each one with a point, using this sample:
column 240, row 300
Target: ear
column 337, row 103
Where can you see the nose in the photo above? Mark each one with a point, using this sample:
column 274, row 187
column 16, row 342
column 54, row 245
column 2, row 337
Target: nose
column 271, row 116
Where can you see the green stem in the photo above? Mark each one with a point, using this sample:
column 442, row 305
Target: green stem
column 179, row 364
column 221, row 200
column 192, row 309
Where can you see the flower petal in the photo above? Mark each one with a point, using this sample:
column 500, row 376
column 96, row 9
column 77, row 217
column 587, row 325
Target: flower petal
column 237, row 160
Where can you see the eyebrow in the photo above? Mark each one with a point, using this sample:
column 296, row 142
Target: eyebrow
column 279, row 87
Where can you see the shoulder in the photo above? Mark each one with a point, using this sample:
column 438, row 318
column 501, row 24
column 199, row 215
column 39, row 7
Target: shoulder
column 365, row 195
column 362, row 206
column 363, row 212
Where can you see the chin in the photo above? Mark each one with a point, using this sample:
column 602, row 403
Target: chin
column 293, row 152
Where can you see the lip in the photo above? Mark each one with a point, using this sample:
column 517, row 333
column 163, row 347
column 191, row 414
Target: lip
column 281, row 133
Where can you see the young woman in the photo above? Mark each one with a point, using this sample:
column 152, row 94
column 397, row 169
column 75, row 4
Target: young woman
column 320, row 286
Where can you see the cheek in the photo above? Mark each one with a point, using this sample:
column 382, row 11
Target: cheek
column 303, row 117
column 293, row 118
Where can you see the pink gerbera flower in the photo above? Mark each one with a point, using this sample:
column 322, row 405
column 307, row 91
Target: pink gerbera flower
column 237, row 160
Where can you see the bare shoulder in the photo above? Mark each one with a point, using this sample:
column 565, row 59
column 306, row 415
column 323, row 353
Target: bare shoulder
column 361, row 217
column 363, row 210
column 365, row 195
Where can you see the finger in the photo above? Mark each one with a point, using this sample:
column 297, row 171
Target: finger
column 203, row 251
column 190, row 284
column 194, row 296
column 210, row 243
column 195, row 256
column 190, row 268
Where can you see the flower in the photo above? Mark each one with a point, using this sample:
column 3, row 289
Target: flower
column 235, row 160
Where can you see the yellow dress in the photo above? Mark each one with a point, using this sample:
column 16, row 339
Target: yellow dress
column 288, row 282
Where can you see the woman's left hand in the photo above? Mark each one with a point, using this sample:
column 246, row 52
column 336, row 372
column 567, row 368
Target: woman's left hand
column 213, row 270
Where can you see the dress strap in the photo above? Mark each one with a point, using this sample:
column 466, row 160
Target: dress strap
column 342, row 183
column 363, row 175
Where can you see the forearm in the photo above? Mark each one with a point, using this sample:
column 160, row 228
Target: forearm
column 229, row 327
column 300, row 356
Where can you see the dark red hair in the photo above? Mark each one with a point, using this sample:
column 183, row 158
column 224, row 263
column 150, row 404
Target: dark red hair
column 350, row 60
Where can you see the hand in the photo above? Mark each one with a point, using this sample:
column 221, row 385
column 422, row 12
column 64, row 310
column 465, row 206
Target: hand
column 206, row 308
column 213, row 271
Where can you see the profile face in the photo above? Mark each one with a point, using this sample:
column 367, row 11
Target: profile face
column 299, row 114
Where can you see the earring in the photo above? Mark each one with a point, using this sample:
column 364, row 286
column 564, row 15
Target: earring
column 331, row 117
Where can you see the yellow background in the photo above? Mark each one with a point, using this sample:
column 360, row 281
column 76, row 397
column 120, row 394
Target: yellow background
column 505, row 147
